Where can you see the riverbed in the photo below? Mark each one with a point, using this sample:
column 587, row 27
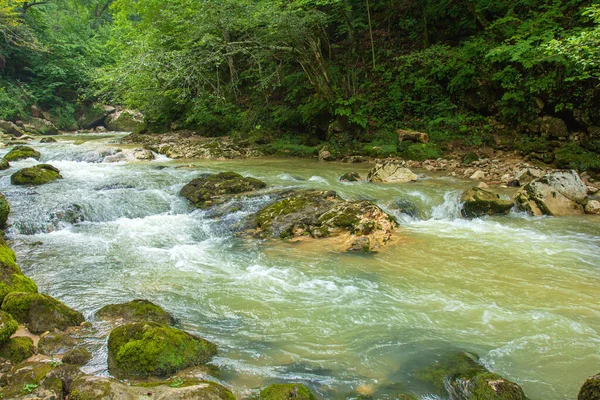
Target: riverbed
column 519, row 291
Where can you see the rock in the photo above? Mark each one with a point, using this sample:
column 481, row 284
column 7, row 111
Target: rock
column 89, row 117
column 470, row 158
column 38, row 126
column 37, row 175
column 11, row 277
column 40, row 312
column 124, row 121
column 590, row 389
column 151, row 349
column 48, row 140
column 350, row 177
column 478, row 202
column 99, row 388
column 100, row 129
column 4, row 211
column 8, row 326
column 135, row 311
column 10, row 128
column 567, row 183
column 412, row 136
column 319, row 214
column 21, row 153
column 143, row 155
column 551, row 127
column 33, row 379
column 556, row 193
column 287, row 391
column 592, row 207
column 591, row 189
column 391, row 172
column 4, row 164
column 325, row 155
column 77, row 356
column 17, row 349
column 528, row 175
column 215, row 189
column 407, row 207
column 478, row 175
column 56, row 343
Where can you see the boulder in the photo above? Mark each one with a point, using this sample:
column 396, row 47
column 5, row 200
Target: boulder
column 592, row 207
column 478, row 202
column 143, row 154
column 135, row 311
column 11, row 277
column 89, row 117
column 150, row 349
column 4, row 164
column 406, row 207
column 21, row 153
column 36, row 175
column 8, row 326
column 350, row 177
column 17, row 349
column 48, row 140
column 391, row 172
column 38, row 126
column 285, row 391
column 124, row 121
column 590, row 389
column 40, row 312
column 326, row 155
column 319, row 214
column 4, row 211
column 477, row 175
column 56, row 343
column 215, row 189
column 551, row 127
column 29, row 379
column 10, row 128
column 77, row 356
column 556, row 193
column 527, row 175
column 412, row 136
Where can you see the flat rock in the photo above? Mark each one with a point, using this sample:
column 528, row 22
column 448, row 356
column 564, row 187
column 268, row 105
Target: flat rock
column 391, row 172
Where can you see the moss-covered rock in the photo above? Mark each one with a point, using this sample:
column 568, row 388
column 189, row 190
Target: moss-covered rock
column 135, row 311
column 77, row 356
column 478, row 202
column 213, row 189
column 37, row 175
column 93, row 115
column 30, row 379
column 56, row 343
column 21, row 153
column 152, row 349
column 4, row 211
column 48, row 140
column 11, row 277
column 451, row 365
column 40, row 312
column 17, row 349
column 590, row 389
column 8, row 326
column 4, row 164
column 124, row 121
column 350, row 177
column 287, row 391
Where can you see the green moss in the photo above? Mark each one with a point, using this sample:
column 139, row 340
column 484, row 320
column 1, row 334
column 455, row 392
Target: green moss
column 22, row 152
column 572, row 156
column 490, row 386
column 282, row 207
column 11, row 277
column 590, row 389
column 205, row 191
column 40, row 312
column 56, row 343
column 37, row 175
column 4, row 164
column 450, row 366
column 28, row 373
column 8, row 326
column 17, row 349
column 380, row 151
column 4, row 211
column 135, row 311
column 78, row 356
column 479, row 202
column 152, row 349
column 421, row 152
column 287, row 391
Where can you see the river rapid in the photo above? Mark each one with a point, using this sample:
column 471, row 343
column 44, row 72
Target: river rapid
column 521, row 292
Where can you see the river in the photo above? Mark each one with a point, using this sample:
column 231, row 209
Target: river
column 521, row 292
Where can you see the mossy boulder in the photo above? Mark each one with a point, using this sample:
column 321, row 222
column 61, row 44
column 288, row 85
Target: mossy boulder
column 8, row 326
column 286, row 391
column 37, row 175
column 77, row 356
column 11, row 277
column 124, row 121
column 21, row 153
column 214, row 189
column 40, row 312
column 17, row 349
column 350, row 177
column 590, row 389
column 29, row 378
column 56, row 343
column 152, row 349
column 478, row 202
column 91, row 116
column 4, row 164
column 135, row 311
column 4, row 211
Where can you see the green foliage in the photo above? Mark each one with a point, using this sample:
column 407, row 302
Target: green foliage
column 573, row 156
column 29, row 388
column 421, row 151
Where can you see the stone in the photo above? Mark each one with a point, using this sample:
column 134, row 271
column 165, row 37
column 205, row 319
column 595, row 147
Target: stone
column 412, row 136
column 527, row 175
column 391, row 172
column 17, row 349
column 470, row 158
column 10, row 128
column 135, row 311
column 477, row 175
column 11, row 277
column 77, row 356
column 22, row 153
column 556, row 193
column 4, row 211
column 40, row 312
column 150, row 349
column 33, row 380
column 407, row 207
column 56, row 343
column 124, row 121
column 326, row 155
column 590, row 389
column 285, row 391
column 593, row 207
column 4, row 164
column 215, row 189
column 40, row 174
column 8, row 326
column 567, row 183
column 48, row 140
column 478, row 202
column 143, row 154
column 350, row 177
column 89, row 117
column 551, row 127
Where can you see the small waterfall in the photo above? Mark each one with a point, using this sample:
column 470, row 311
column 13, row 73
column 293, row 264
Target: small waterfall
column 449, row 209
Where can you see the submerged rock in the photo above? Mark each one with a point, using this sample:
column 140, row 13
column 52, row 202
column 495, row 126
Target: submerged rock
column 478, row 202
column 4, row 164
column 391, row 172
column 17, row 349
column 135, row 311
column 4, row 211
column 287, row 391
column 556, row 193
column 215, row 189
column 350, row 177
column 152, row 349
column 48, row 140
column 320, row 214
column 40, row 312
column 21, row 153
column 37, row 175
column 590, row 389
column 406, row 207
column 11, row 277
column 56, row 343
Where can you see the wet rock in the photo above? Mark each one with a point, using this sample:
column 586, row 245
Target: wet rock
column 28, row 380
column 11, row 277
column 56, row 343
column 287, row 391
column 70, row 214
column 89, row 117
column 11, row 128
column 124, row 121
column 412, row 136
column 391, row 172
column 21, row 153
column 215, row 189
column 135, row 311
column 590, row 389
column 406, row 207
column 17, row 349
column 38, row 126
column 48, row 140
column 319, row 214
column 4, row 211
column 151, row 349
column 77, row 356
column 556, row 193
column 143, row 155
column 350, row 177
column 38, row 175
column 592, row 207
column 8, row 326
column 4, row 164
column 478, row 202
column 40, row 312
column 326, row 155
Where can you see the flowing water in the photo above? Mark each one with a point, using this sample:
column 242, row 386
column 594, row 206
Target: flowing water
column 521, row 292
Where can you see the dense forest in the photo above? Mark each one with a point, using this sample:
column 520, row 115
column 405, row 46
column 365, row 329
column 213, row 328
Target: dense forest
column 295, row 75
